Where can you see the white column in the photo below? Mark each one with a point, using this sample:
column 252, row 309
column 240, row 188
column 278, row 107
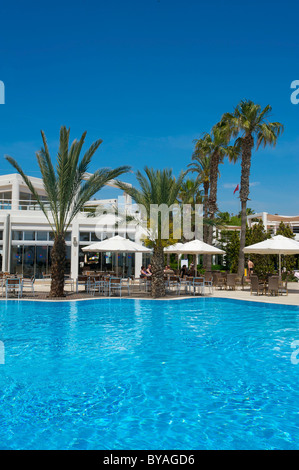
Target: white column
column 265, row 219
column 75, row 249
column 15, row 195
column 138, row 264
column 138, row 256
column 6, row 244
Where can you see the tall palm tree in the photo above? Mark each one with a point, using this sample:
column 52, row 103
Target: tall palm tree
column 216, row 145
column 250, row 125
column 67, row 190
column 156, row 187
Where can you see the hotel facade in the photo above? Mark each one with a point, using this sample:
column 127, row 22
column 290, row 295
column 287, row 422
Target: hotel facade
column 26, row 237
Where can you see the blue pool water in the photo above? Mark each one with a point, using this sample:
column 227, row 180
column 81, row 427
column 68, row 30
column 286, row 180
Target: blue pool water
column 142, row 374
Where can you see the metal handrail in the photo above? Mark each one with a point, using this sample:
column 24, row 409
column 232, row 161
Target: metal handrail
column 25, row 204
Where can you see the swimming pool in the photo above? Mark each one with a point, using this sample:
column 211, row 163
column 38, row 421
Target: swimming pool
column 142, row 374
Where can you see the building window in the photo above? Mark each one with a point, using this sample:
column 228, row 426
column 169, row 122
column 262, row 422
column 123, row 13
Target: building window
column 26, row 198
column 29, row 235
column 17, row 235
column 93, row 237
column 42, row 236
column 35, row 260
column 84, row 236
column 295, row 229
column 5, row 196
column 67, row 236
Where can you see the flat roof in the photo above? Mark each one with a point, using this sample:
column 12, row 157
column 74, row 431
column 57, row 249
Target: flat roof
column 275, row 217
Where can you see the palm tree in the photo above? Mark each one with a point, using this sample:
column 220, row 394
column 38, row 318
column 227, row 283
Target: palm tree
column 250, row 120
column 156, row 187
column 216, row 145
column 190, row 192
column 68, row 188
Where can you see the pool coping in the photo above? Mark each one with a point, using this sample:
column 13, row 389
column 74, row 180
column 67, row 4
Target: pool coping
column 174, row 298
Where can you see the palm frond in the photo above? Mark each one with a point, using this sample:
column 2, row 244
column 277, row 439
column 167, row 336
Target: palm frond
column 66, row 188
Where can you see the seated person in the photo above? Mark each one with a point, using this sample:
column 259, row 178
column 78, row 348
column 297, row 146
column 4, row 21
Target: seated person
column 143, row 272
column 168, row 270
column 149, row 270
column 191, row 271
column 183, row 271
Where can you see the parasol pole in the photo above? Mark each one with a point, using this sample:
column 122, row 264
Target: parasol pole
column 116, row 263
column 279, row 265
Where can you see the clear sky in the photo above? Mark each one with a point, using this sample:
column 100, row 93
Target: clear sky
column 148, row 77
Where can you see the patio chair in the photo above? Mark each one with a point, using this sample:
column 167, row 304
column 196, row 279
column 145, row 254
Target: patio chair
column 2, row 282
column 283, row 286
column 209, row 282
column 182, row 283
column 231, row 281
column 106, row 284
column 81, row 280
column 273, row 285
column 68, row 281
column 13, row 285
column 118, row 284
column 256, row 285
column 172, row 283
column 96, row 284
column 28, row 283
column 148, row 283
column 139, row 284
column 240, row 281
column 125, row 284
column 199, row 283
column 90, row 282
column 190, row 281
column 219, row 280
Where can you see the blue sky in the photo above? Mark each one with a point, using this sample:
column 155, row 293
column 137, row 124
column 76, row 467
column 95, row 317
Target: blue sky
column 148, row 77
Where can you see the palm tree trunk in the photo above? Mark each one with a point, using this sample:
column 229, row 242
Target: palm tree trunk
column 58, row 256
column 205, row 215
column 158, row 285
column 212, row 202
column 242, row 238
column 205, row 210
column 247, row 146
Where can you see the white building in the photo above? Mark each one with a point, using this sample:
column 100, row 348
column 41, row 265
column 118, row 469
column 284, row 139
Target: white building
column 26, row 237
column 271, row 222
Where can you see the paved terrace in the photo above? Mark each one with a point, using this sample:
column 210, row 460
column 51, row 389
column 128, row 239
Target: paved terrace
column 42, row 293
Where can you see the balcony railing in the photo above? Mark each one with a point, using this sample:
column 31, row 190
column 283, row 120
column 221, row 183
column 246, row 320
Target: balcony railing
column 25, row 205
column 5, row 204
